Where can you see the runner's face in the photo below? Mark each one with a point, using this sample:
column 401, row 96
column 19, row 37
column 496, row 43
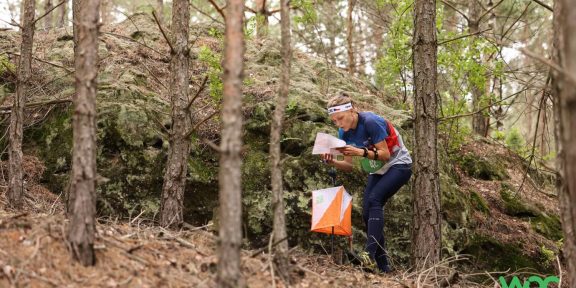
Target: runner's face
column 344, row 119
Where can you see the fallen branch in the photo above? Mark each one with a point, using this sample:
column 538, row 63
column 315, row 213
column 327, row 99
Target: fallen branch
column 264, row 249
column 44, row 61
column 37, row 104
column 125, row 252
column 451, row 279
column 193, row 228
column 180, row 240
column 41, row 278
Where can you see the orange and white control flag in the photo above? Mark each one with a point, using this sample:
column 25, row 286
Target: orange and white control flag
column 332, row 207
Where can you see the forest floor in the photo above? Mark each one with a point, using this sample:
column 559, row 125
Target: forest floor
column 132, row 253
column 498, row 223
column 135, row 253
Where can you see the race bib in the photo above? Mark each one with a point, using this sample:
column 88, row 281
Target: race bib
column 371, row 166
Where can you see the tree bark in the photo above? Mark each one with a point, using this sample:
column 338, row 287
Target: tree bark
column 160, row 10
column 83, row 178
column 76, row 10
column 48, row 19
column 261, row 19
column 479, row 120
column 106, row 12
column 349, row 38
column 426, row 233
column 567, row 108
column 230, row 234
column 62, row 16
column 171, row 208
column 281, row 256
column 16, row 182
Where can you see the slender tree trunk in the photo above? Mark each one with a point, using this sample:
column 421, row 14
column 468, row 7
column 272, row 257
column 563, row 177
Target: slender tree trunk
column 349, row 38
column 479, row 120
column 62, row 16
column 567, row 108
column 280, row 234
column 171, row 209
column 230, row 184
column 48, row 19
column 261, row 19
column 106, row 12
column 12, row 9
column 426, row 233
column 16, row 183
column 76, row 6
column 331, row 30
column 378, row 38
column 83, row 178
column 160, row 10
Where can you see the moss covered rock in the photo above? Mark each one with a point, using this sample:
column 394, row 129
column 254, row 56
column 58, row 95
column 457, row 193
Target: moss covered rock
column 493, row 255
column 481, row 168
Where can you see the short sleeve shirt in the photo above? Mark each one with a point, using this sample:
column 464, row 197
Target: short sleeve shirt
column 371, row 129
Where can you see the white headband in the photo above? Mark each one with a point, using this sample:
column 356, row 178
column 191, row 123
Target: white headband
column 340, row 108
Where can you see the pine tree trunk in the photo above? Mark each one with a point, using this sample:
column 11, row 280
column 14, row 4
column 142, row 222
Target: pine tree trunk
column 83, row 179
column 106, row 12
column 479, row 120
column 349, row 38
column 230, row 234
column 48, row 19
column 76, row 6
column 62, row 16
column 261, row 19
column 172, row 204
column 160, row 10
column 16, row 183
column 426, row 233
column 568, row 136
column 281, row 256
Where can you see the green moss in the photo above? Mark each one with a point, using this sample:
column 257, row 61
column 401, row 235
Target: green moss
column 480, row 168
column 492, row 255
column 548, row 225
column 479, row 203
column 455, row 204
column 515, row 206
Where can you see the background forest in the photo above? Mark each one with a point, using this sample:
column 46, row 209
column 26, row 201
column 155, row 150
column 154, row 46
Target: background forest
column 181, row 135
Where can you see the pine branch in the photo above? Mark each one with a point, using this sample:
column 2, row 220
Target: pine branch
column 189, row 133
column 163, row 33
column 48, row 12
column 220, row 10
column 565, row 74
column 206, row 14
column 455, row 9
column 544, row 5
column 462, row 36
column 44, row 61
column 197, row 93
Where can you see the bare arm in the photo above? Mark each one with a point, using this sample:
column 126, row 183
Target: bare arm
column 344, row 165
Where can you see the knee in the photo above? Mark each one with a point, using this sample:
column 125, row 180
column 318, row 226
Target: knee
column 374, row 203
